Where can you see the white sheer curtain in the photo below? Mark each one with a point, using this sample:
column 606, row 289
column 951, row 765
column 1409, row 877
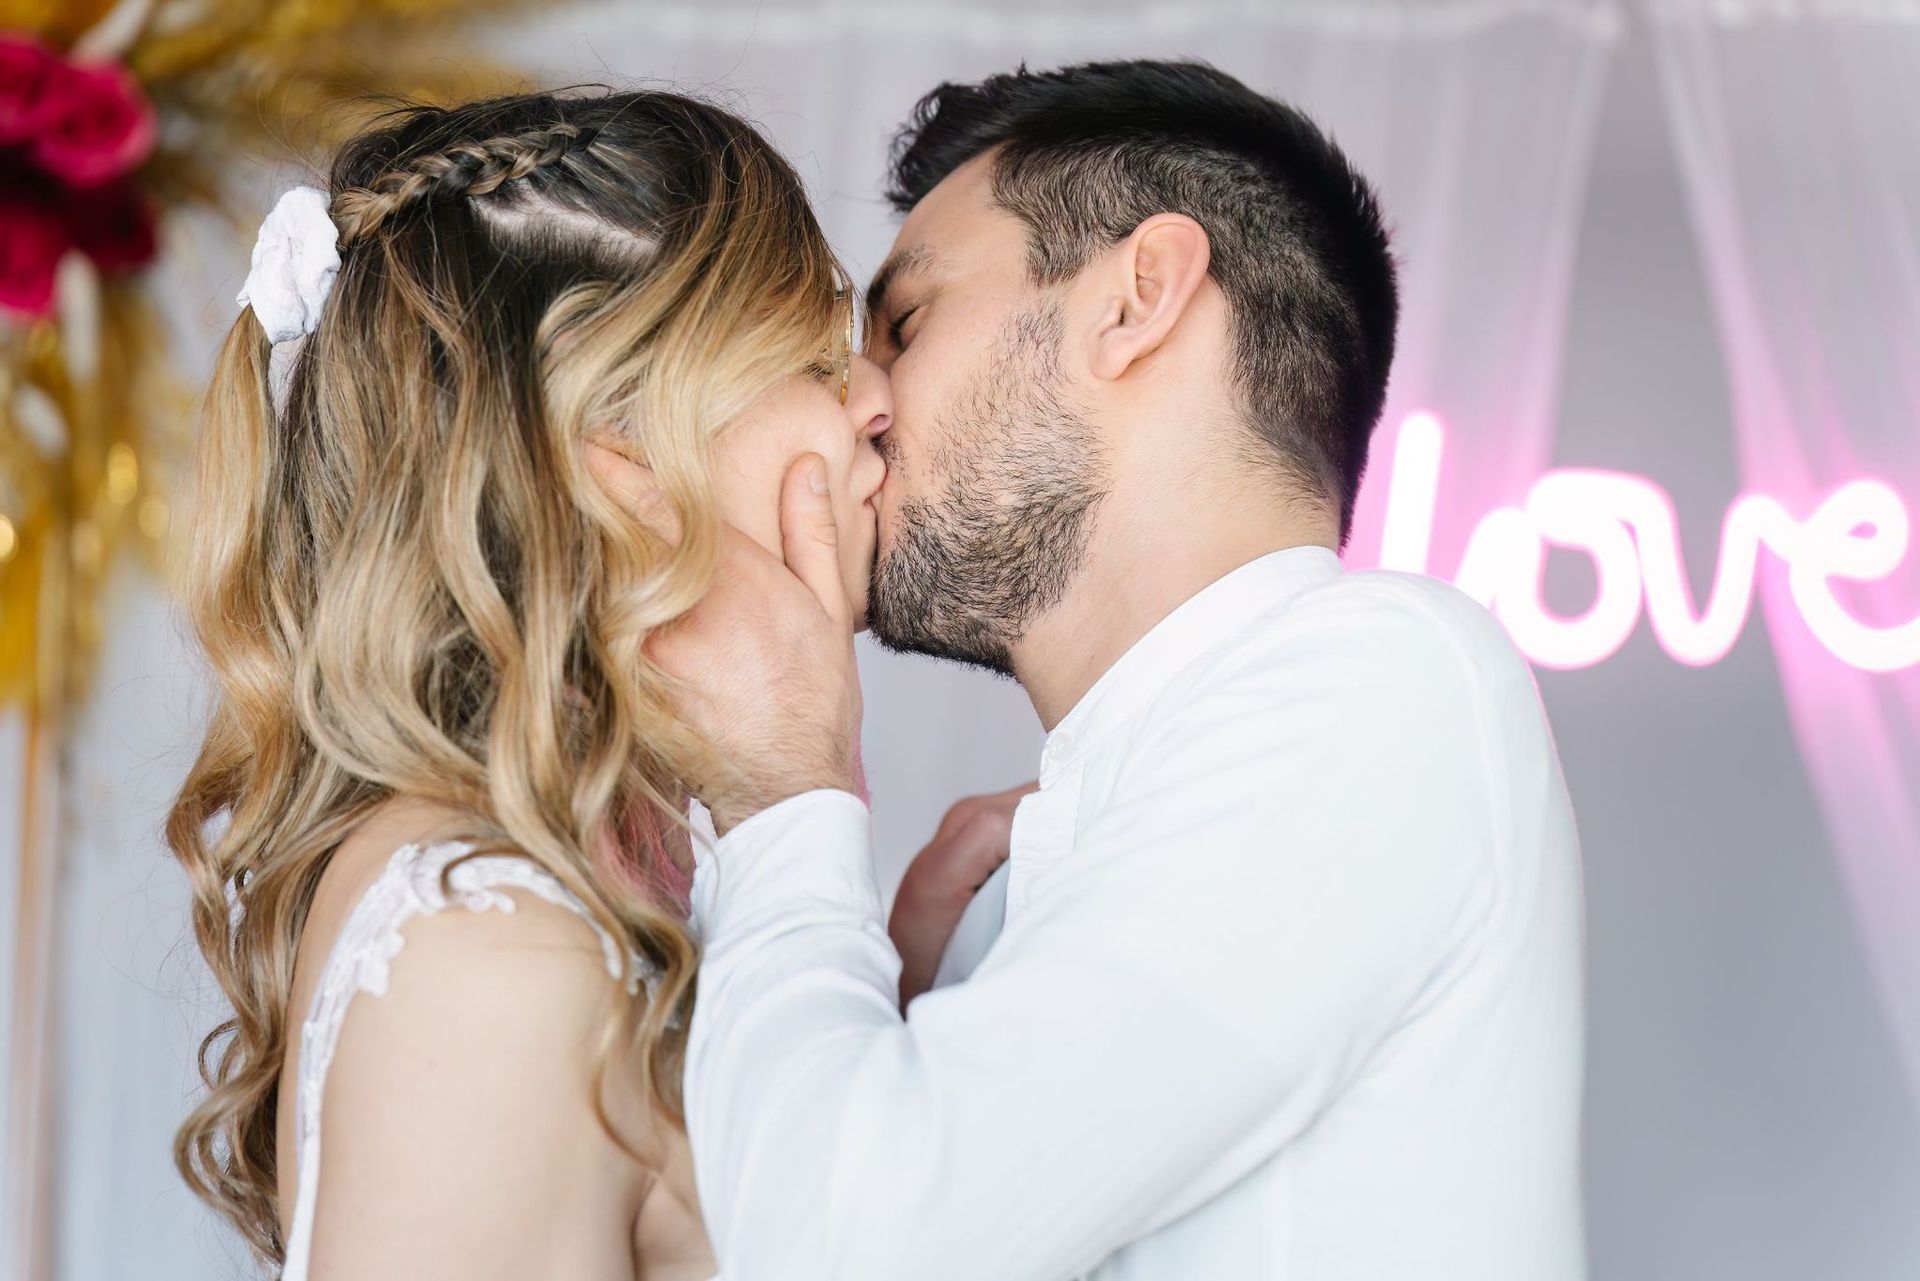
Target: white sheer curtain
column 1797, row 125
column 1473, row 116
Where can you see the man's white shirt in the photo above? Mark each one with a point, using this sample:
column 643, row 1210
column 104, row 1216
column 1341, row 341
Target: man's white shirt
column 1288, row 985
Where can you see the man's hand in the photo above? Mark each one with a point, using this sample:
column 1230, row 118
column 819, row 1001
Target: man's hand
column 972, row 842
column 766, row 658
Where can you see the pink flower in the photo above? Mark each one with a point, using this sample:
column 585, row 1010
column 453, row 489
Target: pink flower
column 28, row 73
column 32, row 242
column 96, row 126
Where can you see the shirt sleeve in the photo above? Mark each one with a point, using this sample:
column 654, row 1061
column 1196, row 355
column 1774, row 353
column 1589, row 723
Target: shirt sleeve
column 1293, row 864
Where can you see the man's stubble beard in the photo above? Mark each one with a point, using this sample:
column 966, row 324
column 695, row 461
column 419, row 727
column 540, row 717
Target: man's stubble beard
column 1022, row 478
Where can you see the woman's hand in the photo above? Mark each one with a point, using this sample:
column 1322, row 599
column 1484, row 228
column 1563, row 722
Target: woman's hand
column 972, row 842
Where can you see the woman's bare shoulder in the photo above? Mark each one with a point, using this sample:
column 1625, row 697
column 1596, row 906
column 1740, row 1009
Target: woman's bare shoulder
column 459, row 1105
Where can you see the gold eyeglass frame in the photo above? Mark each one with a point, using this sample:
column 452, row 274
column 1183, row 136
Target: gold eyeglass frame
column 843, row 299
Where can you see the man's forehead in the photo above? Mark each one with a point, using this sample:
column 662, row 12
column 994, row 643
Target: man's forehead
column 967, row 191
column 937, row 230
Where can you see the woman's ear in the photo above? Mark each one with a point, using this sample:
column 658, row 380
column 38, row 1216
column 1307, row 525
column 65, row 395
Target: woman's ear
column 1157, row 270
column 630, row 484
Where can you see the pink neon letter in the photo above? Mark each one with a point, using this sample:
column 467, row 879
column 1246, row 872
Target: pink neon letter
column 1626, row 523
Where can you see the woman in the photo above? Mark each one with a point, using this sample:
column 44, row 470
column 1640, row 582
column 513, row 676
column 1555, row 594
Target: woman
column 427, row 627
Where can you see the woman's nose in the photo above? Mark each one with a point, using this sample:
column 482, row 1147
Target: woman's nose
column 869, row 399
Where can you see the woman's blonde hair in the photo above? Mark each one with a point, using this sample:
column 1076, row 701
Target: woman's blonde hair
column 404, row 578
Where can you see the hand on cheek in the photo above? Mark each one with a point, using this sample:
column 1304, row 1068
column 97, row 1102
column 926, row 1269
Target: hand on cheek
column 766, row 661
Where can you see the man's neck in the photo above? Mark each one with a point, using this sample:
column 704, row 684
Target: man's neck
column 1144, row 562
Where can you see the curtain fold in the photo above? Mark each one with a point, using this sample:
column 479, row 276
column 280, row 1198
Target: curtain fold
column 1797, row 126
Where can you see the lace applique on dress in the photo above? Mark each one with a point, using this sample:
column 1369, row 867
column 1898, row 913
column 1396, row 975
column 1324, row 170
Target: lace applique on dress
column 361, row 961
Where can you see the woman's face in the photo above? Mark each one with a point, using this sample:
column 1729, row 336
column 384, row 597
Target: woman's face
column 804, row 415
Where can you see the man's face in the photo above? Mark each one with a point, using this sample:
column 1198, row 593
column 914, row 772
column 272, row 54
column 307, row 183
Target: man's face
column 994, row 476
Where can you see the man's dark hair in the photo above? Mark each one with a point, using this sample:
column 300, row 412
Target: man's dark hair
column 1086, row 153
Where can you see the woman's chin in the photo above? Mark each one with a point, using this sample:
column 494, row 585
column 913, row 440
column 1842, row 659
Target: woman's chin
column 857, row 598
column 859, row 578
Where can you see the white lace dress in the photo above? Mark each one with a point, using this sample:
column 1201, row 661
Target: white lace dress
column 409, row 886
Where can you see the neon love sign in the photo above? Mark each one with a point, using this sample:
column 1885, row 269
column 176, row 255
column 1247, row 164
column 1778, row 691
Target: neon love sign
column 1626, row 524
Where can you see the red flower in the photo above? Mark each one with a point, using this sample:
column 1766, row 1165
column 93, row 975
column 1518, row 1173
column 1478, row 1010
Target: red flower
column 28, row 75
column 32, row 242
column 112, row 224
column 98, row 125
column 70, row 135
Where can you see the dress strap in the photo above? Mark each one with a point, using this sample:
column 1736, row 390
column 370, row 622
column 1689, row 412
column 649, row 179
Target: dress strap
column 361, row 961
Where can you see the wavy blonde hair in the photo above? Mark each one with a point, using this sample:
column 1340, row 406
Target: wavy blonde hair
column 404, row 578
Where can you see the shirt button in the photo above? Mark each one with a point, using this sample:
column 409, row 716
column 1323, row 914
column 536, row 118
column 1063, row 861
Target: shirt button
column 1059, row 747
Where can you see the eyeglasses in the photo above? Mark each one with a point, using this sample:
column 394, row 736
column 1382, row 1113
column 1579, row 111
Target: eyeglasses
column 842, row 353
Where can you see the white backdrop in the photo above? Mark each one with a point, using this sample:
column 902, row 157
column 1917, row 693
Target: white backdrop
column 1477, row 118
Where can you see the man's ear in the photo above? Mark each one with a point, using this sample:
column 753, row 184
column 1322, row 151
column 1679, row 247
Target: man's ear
column 1156, row 272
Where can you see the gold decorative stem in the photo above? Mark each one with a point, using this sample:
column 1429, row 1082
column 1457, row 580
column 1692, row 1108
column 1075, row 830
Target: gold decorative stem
column 31, row 1105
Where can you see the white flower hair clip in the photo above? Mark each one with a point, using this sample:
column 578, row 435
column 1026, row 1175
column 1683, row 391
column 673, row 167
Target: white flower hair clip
column 295, row 259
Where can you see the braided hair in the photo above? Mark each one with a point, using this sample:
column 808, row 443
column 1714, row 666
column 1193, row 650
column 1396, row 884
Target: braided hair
column 463, row 168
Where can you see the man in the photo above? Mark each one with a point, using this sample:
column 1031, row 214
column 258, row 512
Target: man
column 1289, row 978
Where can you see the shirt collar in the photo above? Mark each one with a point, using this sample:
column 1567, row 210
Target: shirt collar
column 1215, row 614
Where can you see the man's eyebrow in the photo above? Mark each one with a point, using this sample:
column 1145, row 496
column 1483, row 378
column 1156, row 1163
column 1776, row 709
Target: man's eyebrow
column 904, row 262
